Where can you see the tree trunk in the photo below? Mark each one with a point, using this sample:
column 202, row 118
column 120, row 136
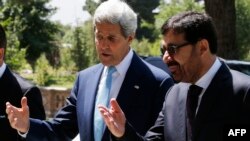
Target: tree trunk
column 224, row 16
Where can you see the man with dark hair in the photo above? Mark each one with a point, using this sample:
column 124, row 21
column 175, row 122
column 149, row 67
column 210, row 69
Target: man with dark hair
column 209, row 98
column 13, row 87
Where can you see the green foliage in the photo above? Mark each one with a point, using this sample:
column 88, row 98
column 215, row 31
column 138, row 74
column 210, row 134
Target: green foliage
column 78, row 52
column 62, row 80
column 83, row 50
column 29, row 22
column 15, row 58
column 45, row 75
column 66, row 34
column 90, row 6
column 144, row 10
column 88, row 30
column 42, row 71
column 145, row 48
column 146, row 30
column 168, row 10
column 243, row 27
column 67, row 62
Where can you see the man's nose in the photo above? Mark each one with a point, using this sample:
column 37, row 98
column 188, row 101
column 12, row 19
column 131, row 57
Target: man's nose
column 167, row 58
column 105, row 43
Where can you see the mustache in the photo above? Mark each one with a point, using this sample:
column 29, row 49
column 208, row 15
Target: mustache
column 172, row 63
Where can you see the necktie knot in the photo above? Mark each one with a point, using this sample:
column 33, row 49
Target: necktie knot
column 194, row 90
column 111, row 70
column 192, row 100
column 108, row 82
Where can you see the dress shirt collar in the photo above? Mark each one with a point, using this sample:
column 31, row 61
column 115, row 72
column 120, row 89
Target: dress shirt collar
column 122, row 67
column 205, row 80
column 2, row 69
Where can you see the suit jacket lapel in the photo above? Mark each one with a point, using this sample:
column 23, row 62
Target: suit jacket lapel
column 91, row 91
column 181, row 120
column 131, row 80
column 211, row 95
column 10, row 89
column 87, row 101
column 179, row 113
column 175, row 113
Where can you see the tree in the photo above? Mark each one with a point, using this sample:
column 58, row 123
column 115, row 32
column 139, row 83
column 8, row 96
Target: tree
column 243, row 28
column 89, row 38
column 78, row 51
column 144, row 10
column 90, row 6
column 29, row 21
column 223, row 11
column 83, row 52
column 169, row 9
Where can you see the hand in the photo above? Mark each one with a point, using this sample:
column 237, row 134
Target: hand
column 19, row 117
column 114, row 118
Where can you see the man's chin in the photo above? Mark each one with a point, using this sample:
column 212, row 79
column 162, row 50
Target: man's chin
column 107, row 63
column 177, row 79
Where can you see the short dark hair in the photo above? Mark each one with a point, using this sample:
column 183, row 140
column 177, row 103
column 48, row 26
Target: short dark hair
column 3, row 40
column 195, row 26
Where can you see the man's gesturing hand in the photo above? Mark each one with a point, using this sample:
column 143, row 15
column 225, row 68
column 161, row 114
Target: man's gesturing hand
column 19, row 117
column 114, row 118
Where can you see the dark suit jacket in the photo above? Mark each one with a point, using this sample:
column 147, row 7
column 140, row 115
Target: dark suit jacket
column 226, row 102
column 141, row 106
column 11, row 86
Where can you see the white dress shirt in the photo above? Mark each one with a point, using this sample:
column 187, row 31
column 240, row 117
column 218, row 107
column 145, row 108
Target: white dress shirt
column 2, row 69
column 119, row 75
column 206, row 79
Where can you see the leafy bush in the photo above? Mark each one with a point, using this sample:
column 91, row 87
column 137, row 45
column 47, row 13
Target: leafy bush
column 169, row 9
column 145, row 48
column 43, row 71
column 15, row 58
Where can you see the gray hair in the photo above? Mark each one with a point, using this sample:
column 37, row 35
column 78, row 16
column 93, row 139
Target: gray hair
column 117, row 12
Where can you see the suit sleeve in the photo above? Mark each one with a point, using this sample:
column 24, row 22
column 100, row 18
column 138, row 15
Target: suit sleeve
column 155, row 133
column 130, row 134
column 63, row 127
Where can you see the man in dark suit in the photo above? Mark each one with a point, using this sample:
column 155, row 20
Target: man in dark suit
column 139, row 87
column 222, row 101
column 13, row 87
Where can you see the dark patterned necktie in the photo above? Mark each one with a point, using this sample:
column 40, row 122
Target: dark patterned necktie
column 192, row 102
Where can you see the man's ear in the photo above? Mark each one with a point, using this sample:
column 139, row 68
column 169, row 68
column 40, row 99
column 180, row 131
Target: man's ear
column 1, row 53
column 204, row 46
column 131, row 38
column 1, row 56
